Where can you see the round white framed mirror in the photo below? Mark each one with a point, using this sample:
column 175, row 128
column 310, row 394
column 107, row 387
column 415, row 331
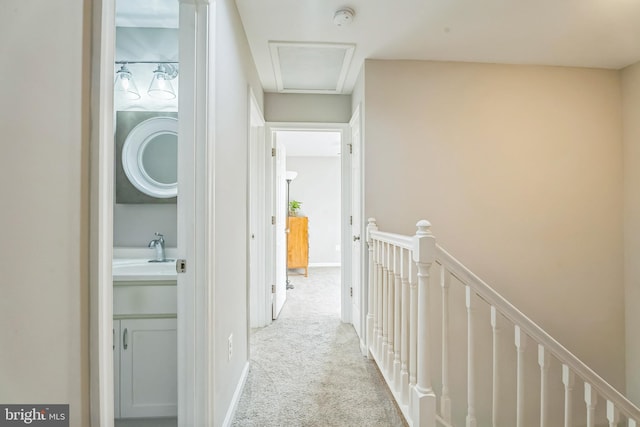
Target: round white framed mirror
column 149, row 157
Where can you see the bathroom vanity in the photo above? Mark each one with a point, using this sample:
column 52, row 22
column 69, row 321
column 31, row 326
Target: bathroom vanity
column 144, row 338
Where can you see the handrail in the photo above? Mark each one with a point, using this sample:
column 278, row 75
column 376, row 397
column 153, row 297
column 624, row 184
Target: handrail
column 486, row 292
column 405, row 242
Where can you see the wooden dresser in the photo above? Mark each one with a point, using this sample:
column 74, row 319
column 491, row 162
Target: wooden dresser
column 298, row 244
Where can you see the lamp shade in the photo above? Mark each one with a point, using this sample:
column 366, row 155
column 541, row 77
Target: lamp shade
column 291, row 175
column 125, row 85
column 161, row 86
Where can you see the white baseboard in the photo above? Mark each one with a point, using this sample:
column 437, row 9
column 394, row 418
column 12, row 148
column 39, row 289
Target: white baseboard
column 324, row 264
column 363, row 348
column 236, row 397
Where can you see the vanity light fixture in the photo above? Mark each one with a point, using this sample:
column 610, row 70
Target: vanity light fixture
column 124, row 83
column 160, row 87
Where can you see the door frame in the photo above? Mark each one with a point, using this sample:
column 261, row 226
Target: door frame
column 345, row 253
column 195, row 288
column 279, row 232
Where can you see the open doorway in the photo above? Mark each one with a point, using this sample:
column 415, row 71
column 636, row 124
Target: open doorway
column 145, row 221
column 328, row 213
column 313, row 165
column 152, row 320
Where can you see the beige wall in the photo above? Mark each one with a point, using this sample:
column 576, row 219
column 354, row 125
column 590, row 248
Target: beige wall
column 519, row 169
column 43, row 170
column 631, row 135
column 318, row 187
column 235, row 72
column 357, row 97
column 312, row 108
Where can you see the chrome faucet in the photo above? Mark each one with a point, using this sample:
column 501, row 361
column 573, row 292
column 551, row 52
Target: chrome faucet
column 158, row 244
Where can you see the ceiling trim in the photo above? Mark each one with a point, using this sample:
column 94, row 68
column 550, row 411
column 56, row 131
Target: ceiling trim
column 274, row 48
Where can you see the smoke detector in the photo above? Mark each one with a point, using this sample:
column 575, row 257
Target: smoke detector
column 343, row 17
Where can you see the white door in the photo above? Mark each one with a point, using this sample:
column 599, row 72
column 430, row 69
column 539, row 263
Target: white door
column 280, row 211
column 253, row 228
column 148, row 368
column 259, row 299
column 356, row 229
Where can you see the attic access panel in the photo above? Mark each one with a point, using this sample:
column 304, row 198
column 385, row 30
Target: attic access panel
column 310, row 67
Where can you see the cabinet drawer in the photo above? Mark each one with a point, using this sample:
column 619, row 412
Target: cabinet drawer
column 144, row 299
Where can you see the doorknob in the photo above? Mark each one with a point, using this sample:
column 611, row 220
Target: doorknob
column 356, row 238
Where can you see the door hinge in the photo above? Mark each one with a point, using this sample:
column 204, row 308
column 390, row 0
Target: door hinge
column 351, row 292
column 350, row 148
column 273, row 289
column 273, row 220
column 181, row 266
column 273, row 152
column 351, row 220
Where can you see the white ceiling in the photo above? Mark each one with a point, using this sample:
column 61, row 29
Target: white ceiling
column 310, row 143
column 581, row 33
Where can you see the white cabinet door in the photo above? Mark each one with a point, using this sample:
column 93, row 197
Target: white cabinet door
column 116, row 368
column 148, row 368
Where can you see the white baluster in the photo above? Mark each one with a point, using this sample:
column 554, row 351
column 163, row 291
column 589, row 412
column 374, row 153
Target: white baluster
column 544, row 362
column 568, row 379
column 413, row 329
column 379, row 312
column 391, row 325
column 390, row 285
column 495, row 399
column 521, row 343
column 613, row 416
column 471, row 358
column 385, row 306
column 424, row 249
column 445, row 400
column 591, row 399
column 632, row 423
column 371, row 226
column 397, row 338
column 375, row 311
column 405, row 262
column 391, row 315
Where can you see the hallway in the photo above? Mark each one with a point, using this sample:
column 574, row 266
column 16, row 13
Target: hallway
column 307, row 369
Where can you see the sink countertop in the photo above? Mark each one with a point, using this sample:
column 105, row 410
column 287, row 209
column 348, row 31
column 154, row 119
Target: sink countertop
column 120, row 252
column 132, row 265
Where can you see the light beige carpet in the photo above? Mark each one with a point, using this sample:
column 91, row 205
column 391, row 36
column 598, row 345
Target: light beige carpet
column 307, row 369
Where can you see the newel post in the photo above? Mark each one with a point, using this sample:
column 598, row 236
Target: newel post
column 371, row 226
column 424, row 398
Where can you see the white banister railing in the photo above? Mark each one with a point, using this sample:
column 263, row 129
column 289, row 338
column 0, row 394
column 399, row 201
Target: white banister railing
column 409, row 335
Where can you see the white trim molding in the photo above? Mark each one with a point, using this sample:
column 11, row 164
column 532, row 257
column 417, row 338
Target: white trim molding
column 228, row 419
column 101, row 220
column 324, row 264
column 196, row 207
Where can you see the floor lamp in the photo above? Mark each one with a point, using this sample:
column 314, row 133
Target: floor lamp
column 290, row 176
